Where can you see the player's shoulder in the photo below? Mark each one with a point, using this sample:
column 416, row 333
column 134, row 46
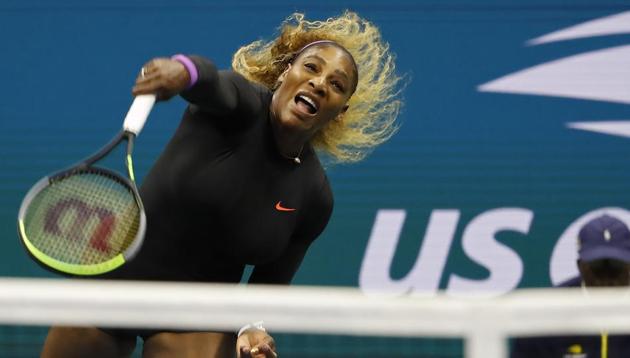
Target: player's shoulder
column 322, row 198
column 319, row 204
column 320, row 185
column 241, row 81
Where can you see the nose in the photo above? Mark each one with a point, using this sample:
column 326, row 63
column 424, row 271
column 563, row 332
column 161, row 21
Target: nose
column 317, row 83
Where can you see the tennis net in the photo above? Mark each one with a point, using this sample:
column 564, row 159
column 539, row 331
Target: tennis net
column 311, row 321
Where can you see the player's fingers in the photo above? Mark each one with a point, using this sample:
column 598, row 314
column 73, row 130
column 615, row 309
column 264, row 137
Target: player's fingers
column 265, row 350
column 146, row 70
column 145, row 87
column 147, row 78
column 151, row 65
column 150, row 69
column 271, row 343
column 158, row 65
column 245, row 352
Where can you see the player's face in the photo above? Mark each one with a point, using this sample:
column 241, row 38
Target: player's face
column 314, row 89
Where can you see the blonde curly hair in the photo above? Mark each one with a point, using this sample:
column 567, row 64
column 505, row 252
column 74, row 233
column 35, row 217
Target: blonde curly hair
column 371, row 117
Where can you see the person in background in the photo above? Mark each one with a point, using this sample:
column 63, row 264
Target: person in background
column 604, row 261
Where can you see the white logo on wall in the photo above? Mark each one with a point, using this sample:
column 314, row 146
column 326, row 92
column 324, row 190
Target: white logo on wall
column 602, row 75
column 571, row 77
column 479, row 244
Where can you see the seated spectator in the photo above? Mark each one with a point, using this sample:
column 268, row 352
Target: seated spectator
column 604, row 261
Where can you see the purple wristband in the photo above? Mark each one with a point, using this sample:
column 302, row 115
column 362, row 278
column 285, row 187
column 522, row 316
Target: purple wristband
column 190, row 67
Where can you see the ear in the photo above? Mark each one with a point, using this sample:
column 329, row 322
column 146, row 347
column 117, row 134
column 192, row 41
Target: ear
column 283, row 75
column 339, row 117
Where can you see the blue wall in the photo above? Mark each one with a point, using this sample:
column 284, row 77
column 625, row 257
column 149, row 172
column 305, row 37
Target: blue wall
column 67, row 68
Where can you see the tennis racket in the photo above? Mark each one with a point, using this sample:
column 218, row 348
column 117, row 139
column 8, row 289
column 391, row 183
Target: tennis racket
column 88, row 220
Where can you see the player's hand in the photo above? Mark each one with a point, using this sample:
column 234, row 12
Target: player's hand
column 163, row 77
column 255, row 343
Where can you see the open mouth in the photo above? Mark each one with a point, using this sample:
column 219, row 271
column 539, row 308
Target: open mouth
column 306, row 104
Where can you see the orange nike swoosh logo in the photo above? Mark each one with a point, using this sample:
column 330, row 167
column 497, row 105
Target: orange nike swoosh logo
column 279, row 207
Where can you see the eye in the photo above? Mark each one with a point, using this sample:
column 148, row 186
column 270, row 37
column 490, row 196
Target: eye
column 338, row 85
column 311, row 66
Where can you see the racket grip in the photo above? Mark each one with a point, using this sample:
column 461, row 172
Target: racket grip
column 138, row 113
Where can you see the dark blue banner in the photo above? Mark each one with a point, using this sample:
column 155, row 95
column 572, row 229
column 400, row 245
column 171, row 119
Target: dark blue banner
column 515, row 128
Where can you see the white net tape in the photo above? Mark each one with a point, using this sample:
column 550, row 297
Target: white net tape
column 484, row 323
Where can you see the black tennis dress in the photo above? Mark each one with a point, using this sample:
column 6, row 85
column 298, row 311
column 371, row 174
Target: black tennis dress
column 221, row 196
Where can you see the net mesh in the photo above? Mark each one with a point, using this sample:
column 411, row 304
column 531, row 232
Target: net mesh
column 310, row 321
column 84, row 218
column 27, row 341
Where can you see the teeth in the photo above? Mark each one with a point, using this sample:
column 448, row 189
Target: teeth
column 310, row 101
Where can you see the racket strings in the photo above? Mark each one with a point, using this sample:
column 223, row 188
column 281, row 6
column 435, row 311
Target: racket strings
column 85, row 218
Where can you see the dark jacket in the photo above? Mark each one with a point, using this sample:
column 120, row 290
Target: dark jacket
column 618, row 346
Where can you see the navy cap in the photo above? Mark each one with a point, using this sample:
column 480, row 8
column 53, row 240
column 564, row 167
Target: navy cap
column 604, row 237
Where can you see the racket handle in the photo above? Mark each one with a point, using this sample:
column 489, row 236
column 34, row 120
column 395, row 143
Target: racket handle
column 138, row 113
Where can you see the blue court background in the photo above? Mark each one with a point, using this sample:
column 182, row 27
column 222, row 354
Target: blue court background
column 67, row 68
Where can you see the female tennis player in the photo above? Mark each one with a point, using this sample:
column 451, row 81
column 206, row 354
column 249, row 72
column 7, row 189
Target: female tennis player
column 241, row 183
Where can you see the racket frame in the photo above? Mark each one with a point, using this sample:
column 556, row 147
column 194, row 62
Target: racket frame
column 86, row 165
